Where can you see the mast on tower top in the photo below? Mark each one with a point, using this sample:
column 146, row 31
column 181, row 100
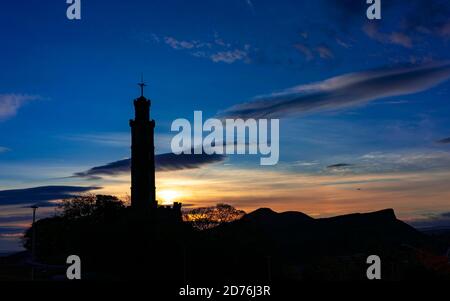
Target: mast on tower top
column 142, row 85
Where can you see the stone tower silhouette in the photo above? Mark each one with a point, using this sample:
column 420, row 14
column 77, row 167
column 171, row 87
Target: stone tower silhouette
column 143, row 195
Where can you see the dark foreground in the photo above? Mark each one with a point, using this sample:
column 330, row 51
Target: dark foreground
column 262, row 248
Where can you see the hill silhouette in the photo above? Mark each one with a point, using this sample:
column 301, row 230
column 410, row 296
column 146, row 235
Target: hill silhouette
column 341, row 235
column 292, row 246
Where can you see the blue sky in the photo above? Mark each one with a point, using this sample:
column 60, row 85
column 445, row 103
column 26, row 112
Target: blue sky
column 67, row 87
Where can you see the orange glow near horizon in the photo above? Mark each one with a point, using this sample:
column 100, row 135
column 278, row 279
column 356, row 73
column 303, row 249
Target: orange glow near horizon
column 322, row 195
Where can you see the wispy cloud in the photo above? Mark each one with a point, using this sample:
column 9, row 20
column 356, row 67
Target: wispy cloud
column 305, row 163
column 178, row 44
column 407, row 161
column 432, row 220
column 321, row 51
column 325, row 52
column 14, row 218
column 163, row 162
column 115, row 139
column 216, row 50
column 109, row 169
column 4, row 149
column 11, row 103
column 394, row 162
column 108, row 139
column 444, row 141
column 305, row 50
column 229, row 56
column 346, row 90
column 341, row 43
column 339, row 167
column 10, row 232
column 397, row 38
column 41, row 195
column 250, row 5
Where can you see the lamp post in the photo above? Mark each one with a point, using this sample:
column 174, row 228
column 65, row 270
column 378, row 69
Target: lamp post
column 33, row 241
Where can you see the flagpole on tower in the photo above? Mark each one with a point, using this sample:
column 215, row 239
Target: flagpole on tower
column 142, row 85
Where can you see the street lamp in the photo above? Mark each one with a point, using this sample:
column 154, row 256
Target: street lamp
column 33, row 246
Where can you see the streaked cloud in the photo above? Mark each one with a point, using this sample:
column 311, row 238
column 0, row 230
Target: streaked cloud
column 41, row 195
column 170, row 161
column 115, row 139
column 229, row 56
column 6, row 231
column 339, row 166
column 14, row 218
column 4, row 149
column 325, row 52
column 348, row 90
column 11, row 103
column 108, row 139
column 321, row 51
column 432, row 220
column 397, row 38
column 110, row 169
column 407, row 161
column 444, row 141
column 250, row 6
column 216, row 50
column 305, row 163
column 342, row 43
column 393, row 162
column 163, row 162
column 305, row 50
column 178, row 44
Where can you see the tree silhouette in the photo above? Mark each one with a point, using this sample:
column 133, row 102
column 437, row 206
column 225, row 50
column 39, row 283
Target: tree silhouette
column 90, row 205
column 79, row 221
column 209, row 217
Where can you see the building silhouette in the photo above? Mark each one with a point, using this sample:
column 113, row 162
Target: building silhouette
column 143, row 188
